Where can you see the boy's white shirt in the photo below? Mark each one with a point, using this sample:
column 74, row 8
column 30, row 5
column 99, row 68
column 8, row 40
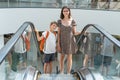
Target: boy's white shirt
column 19, row 47
column 107, row 48
column 50, row 44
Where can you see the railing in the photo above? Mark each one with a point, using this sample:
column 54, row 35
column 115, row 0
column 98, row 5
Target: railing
column 90, row 60
column 16, row 59
column 98, row 55
column 76, row 4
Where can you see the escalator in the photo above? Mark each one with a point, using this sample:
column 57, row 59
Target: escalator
column 29, row 66
column 17, row 61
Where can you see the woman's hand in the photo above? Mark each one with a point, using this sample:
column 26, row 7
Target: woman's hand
column 58, row 48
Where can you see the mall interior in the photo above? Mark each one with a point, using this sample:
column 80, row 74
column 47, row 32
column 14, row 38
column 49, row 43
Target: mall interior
column 98, row 43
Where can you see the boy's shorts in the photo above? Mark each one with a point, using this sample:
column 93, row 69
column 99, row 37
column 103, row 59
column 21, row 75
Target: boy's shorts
column 22, row 57
column 107, row 61
column 49, row 57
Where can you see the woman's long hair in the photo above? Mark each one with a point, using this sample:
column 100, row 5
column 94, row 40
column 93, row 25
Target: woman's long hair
column 61, row 15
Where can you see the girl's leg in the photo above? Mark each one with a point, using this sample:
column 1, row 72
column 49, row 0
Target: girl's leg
column 85, row 62
column 69, row 63
column 62, row 63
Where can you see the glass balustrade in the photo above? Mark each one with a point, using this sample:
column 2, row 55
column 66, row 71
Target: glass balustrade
column 98, row 53
column 20, row 57
column 98, row 56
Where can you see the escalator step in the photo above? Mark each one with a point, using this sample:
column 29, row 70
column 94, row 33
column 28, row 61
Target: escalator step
column 56, row 77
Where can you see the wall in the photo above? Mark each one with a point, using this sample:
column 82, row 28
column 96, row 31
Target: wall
column 2, row 65
column 12, row 18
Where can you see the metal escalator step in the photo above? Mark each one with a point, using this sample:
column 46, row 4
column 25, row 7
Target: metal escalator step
column 56, row 77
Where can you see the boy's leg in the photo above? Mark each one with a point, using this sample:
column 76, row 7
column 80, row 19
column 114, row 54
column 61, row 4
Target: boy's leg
column 50, row 67
column 45, row 67
column 24, row 60
column 22, row 64
column 46, row 62
column 15, row 61
column 48, row 58
column 108, row 63
column 52, row 58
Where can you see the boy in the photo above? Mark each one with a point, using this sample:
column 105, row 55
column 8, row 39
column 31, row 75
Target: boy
column 50, row 46
column 108, row 51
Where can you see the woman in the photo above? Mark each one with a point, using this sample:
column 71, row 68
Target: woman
column 66, row 40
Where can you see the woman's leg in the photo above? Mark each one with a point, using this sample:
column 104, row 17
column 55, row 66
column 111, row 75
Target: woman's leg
column 61, row 63
column 85, row 62
column 69, row 63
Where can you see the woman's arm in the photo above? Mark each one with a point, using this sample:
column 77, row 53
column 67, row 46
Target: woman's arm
column 38, row 36
column 74, row 27
column 75, row 31
column 58, row 41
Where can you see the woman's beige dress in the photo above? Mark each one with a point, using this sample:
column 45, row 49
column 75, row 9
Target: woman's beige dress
column 67, row 40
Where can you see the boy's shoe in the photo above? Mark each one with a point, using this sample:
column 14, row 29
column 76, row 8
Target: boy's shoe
column 14, row 68
column 12, row 74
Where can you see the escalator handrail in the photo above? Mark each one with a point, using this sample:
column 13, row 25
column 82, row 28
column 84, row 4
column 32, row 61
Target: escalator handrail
column 8, row 46
column 102, row 31
column 4, row 51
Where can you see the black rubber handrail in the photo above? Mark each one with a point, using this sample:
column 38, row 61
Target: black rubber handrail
column 102, row 31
